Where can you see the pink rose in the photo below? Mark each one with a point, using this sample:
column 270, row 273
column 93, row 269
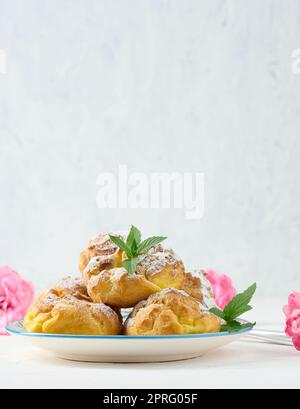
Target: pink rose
column 223, row 288
column 16, row 295
column 293, row 304
column 292, row 313
column 296, row 341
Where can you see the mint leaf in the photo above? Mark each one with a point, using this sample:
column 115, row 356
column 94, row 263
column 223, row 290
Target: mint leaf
column 239, row 311
column 131, row 264
column 134, row 247
column 240, row 304
column 237, row 307
column 120, row 243
column 236, row 326
column 218, row 313
column 137, row 235
column 134, row 238
column 148, row 243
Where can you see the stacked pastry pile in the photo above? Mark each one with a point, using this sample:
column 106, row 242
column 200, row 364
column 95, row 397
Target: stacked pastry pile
column 164, row 297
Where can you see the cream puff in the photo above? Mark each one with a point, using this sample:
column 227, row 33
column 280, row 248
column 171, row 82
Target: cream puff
column 198, row 286
column 71, row 286
column 162, row 267
column 101, row 246
column 115, row 286
column 171, row 312
column 69, row 315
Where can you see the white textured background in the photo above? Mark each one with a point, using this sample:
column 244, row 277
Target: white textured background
column 159, row 85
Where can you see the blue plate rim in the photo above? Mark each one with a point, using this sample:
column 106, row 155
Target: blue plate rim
column 10, row 329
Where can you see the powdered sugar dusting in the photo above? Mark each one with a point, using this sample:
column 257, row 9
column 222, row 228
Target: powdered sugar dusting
column 206, row 289
column 156, row 259
column 103, row 245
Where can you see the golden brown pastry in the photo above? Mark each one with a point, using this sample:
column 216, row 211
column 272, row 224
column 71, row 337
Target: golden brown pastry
column 162, row 267
column 206, row 289
column 101, row 246
column 76, row 288
column 171, row 312
column 192, row 286
column 159, row 268
column 165, row 269
column 73, row 286
column 98, row 264
column 199, row 287
column 108, row 282
column 116, row 287
column 52, row 314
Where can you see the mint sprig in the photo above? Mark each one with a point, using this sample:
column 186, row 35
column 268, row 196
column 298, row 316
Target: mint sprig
column 134, row 247
column 239, row 305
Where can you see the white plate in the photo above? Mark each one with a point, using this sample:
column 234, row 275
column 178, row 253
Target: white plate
column 126, row 348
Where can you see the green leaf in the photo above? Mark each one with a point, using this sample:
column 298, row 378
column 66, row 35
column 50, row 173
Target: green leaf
column 134, row 247
column 240, row 304
column 120, row 243
column 240, row 311
column 236, row 326
column 217, row 312
column 133, row 240
column 148, row 243
column 131, row 264
column 137, row 235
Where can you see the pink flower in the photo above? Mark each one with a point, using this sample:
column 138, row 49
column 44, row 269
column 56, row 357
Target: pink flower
column 16, row 295
column 296, row 341
column 293, row 304
column 292, row 313
column 223, row 288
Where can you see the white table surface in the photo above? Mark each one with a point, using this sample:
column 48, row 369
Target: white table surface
column 240, row 365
